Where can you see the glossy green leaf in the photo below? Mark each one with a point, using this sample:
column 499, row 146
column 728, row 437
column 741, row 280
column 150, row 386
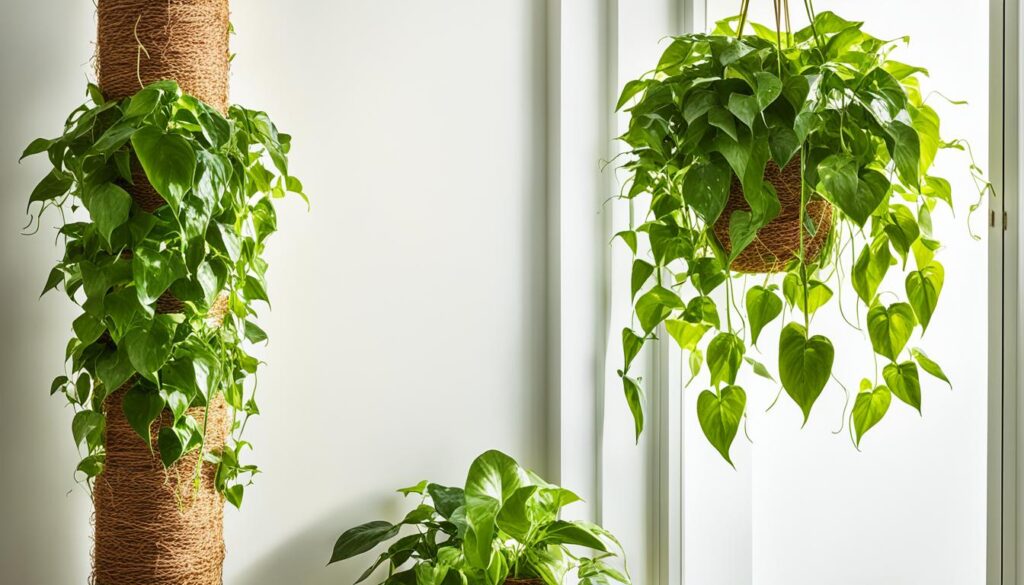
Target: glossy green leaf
column 890, row 328
column 635, row 401
column 686, row 334
column 805, row 365
column 870, row 269
column 720, row 415
column 142, row 405
column 868, row 409
column 642, row 271
column 923, row 289
column 169, row 162
column 904, row 382
column 763, row 306
column 87, row 428
column 929, row 366
column 725, row 355
column 149, row 345
column 706, row 188
column 108, row 206
column 655, row 306
column 362, row 538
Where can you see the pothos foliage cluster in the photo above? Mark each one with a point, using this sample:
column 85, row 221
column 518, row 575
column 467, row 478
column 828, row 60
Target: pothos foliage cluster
column 503, row 524
column 219, row 177
column 716, row 109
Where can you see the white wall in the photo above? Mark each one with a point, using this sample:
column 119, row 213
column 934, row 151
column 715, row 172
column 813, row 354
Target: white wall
column 909, row 508
column 408, row 330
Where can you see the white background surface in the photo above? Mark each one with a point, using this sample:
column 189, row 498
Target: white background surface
column 805, row 507
column 407, row 334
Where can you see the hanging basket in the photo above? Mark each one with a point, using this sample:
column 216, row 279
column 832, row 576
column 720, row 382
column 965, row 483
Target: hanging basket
column 157, row 526
column 778, row 243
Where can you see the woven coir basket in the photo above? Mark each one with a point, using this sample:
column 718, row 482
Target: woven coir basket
column 777, row 243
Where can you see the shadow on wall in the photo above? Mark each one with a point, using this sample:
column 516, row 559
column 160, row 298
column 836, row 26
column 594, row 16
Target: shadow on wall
column 302, row 559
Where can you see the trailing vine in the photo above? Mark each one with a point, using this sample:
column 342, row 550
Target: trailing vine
column 715, row 129
column 167, row 291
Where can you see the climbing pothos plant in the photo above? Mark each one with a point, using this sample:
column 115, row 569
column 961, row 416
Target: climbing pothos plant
column 201, row 252
column 710, row 128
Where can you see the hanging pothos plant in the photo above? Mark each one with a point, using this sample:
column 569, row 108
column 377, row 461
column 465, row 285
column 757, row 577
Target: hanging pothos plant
column 201, row 252
column 805, row 154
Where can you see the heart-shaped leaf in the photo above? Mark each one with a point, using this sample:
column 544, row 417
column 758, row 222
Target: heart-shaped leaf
column 720, row 415
column 870, row 268
column 869, row 408
column 904, row 382
column 655, row 306
column 142, row 405
column 763, row 305
column 706, row 187
column 890, row 328
column 923, row 289
column 169, row 162
column 725, row 354
column 804, row 365
column 686, row 334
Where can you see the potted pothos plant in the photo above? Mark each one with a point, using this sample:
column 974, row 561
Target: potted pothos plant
column 801, row 161
column 502, row 527
column 166, row 285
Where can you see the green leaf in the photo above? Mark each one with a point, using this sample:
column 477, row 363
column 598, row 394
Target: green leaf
column 142, row 405
column 906, row 152
column 514, row 517
column 169, row 162
column 629, row 237
column 842, row 186
column 362, row 538
column 53, row 185
column 446, row 499
column 759, row 368
column 929, row 366
column 253, row 333
column 635, row 401
column 870, row 268
column 92, row 465
column 481, row 512
column 642, row 271
column 763, row 306
column 869, row 408
column 631, row 345
column 706, row 188
column 630, row 90
column 904, row 382
column 108, row 206
column 87, row 428
column 902, row 229
column 655, row 306
column 725, row 355
column 149, row 345
column 494, row 475
column 804, row 365
column 890, row 328
column 153, row 272
column 571, row 533
column 172, row 445
column 114, row 368
column 720, row 416
column 686, row 334
column 769, row 87
column 923, row 289
column 939, row 188
column 88, row 328
column 744, row 107
column 722, row 119
column 817, row 294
